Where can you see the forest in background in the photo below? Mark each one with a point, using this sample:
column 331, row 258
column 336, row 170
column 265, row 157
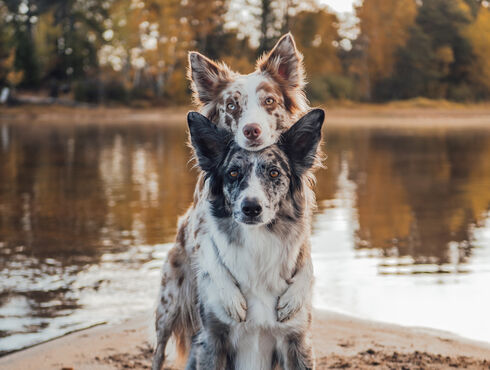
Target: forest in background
column 135, row 51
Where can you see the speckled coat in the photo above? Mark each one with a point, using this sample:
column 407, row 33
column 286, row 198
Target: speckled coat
column 272, row 96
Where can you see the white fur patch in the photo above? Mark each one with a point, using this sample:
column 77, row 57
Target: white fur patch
column 254, row 112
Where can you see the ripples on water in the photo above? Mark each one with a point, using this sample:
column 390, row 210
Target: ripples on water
column 402, row 233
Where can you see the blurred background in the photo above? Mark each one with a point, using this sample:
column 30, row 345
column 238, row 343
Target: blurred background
column 135, row 51
column 89, row 198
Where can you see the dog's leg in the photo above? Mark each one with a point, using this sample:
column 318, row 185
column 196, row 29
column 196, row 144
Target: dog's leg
column 300, row 287
column 222, row 290
column 276, row 361
column 296, row 352
column 176, row 311
column 215, row 351
column 159, row 352
column 255, row 350
column 166, row 314
column 192, row 360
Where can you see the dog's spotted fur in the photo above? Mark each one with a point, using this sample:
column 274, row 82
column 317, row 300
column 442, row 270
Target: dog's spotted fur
column 251, row 258
column 280, row 76
column 272, row 96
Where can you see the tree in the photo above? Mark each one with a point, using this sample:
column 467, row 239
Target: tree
column 475, row 6
column 8, row 76
column 81, row 25
column 151, row 39
column 316, row 35
column 384, row 27
column 266, row 20
column 436, row 59
column 478, row 34
column 53, row 38
column 414, row 70
column 23, row 15
column 268, row 25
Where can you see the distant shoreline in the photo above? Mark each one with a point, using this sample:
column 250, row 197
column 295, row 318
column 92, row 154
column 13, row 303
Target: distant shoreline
column 340, row 342
column 399, row 115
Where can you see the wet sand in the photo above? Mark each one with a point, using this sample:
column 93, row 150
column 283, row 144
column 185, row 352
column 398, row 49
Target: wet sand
column 340, row 342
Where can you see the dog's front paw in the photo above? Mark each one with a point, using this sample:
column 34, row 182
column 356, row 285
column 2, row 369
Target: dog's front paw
column 288, row 304
column 234, row 304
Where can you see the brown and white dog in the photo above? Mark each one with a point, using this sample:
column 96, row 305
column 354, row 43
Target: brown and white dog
column 256, row 108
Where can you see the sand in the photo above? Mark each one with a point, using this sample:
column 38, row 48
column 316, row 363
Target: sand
column 340, row 342
column 385, row 116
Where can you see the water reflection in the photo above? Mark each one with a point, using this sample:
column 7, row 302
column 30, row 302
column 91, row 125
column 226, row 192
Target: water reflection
column 70, row 195
column 420, row 195
column 405, row 235
column 86, row 210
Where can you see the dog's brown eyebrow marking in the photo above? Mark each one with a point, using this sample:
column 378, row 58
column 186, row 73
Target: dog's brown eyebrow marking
column 274, row 91
column 267, row 87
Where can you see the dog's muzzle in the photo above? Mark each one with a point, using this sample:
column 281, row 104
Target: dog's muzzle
column 251, row 210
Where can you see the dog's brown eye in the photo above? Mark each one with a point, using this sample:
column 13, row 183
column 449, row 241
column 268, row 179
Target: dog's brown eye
column 269, row 101
column 231, row 106
column 273, row 173
column 233, row 173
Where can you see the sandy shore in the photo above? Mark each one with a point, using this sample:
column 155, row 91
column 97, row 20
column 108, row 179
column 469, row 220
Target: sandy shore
column 372, row 116
column 340, row 342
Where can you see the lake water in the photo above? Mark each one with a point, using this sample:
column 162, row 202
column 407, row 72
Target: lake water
column 88, row 212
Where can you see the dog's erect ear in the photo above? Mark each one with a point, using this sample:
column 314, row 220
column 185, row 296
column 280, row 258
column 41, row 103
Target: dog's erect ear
column 207, row 77
column 209, row 142
column 300, row 142
column 284, row 63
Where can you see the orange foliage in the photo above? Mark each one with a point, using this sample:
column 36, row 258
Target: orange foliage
column 385, row 24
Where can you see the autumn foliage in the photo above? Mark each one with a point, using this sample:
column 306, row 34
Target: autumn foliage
column 135, row 51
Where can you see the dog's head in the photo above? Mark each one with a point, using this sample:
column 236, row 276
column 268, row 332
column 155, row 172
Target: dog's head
column 252, row 186
column 256, row 107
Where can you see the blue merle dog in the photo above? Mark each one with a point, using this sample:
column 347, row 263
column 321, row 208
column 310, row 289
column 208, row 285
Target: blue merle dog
column 253, row 247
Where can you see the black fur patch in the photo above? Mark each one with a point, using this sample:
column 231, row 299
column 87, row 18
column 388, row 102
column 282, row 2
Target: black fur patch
column 209, row 142
column 299, row 356
column 300, row 142
column 214, row 346
column 231, row 229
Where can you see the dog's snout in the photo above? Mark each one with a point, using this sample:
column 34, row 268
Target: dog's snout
column 252, row 131
column 251, row 207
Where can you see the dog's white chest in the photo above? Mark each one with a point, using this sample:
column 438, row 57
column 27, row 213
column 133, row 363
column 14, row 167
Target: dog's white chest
column 261, row 267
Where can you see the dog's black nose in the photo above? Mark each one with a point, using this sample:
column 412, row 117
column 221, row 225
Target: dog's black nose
column 251, row 207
